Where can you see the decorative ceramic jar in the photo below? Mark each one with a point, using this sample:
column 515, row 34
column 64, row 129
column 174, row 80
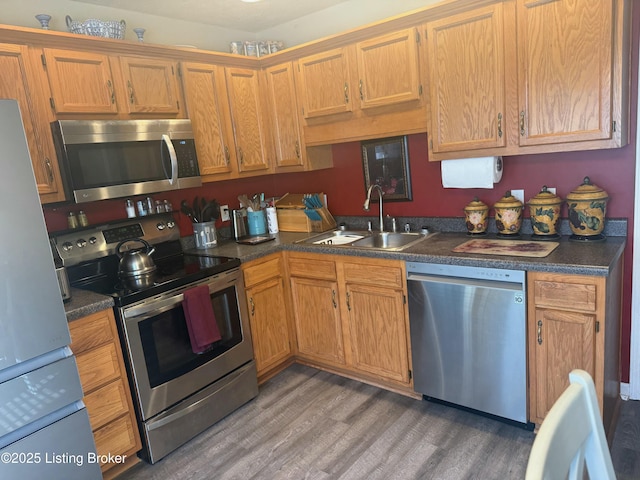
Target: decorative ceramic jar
column 544, row 210
column 476, row 216
column 508, row 215
column 587, row 208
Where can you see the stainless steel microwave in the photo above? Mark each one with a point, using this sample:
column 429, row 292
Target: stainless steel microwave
column 102, row 159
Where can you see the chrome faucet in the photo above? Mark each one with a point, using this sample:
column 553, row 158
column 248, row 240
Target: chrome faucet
column 365, row 207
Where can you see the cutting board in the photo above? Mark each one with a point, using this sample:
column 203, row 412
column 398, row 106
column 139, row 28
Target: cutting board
column 518, row 248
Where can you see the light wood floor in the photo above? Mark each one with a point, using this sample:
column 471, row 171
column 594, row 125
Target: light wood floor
column 308, row 424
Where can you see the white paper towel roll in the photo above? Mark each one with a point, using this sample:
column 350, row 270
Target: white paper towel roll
column 480, row 172
column 272, row 219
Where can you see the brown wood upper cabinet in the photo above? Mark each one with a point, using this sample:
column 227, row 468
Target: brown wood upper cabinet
column 253, row 145
column 467, row 82
column 529, row 76
column 151, row 85
column 80, row 82
column 388, row 69
column 21, row 81
column 206, row 98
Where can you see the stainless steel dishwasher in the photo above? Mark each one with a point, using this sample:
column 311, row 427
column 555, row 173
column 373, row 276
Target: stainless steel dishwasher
column 468, row 337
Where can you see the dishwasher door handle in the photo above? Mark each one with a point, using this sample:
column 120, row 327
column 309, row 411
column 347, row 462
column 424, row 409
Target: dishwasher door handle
column 471, row 282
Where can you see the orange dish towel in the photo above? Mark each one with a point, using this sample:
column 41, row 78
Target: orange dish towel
column 201, row 321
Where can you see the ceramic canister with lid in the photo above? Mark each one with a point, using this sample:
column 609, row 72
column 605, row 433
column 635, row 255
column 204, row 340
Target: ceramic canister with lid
column 508, row 215
column 544, row 210
column 587, row 209
column 476, row 216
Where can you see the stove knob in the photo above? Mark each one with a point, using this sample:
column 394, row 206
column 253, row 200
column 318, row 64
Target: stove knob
column 160, row 225
column 93, row 240
column 67, row 246
column 171, row 224
column 81, row 243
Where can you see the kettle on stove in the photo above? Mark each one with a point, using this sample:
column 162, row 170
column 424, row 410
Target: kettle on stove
column 136, row 268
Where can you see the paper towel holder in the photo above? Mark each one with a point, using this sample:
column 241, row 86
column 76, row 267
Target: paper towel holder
column 385, row 162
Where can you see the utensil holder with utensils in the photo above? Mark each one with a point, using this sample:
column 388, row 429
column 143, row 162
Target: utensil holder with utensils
column 205, row 234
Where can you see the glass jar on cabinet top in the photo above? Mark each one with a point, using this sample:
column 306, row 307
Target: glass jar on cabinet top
column 508, row 215
column 544, row 210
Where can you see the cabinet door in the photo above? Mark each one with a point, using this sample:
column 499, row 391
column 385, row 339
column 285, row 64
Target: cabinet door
column 562, row 341
column 467, row 80
column 205, row 94
column 151, row 85
column 268, row 321
column 565, row 70
column 378, row 333
column 284, row 115
column 317, row 319
column 249, row 128
column 324, row 83
column 388, row 68
column 16, row 82
column 80, row 82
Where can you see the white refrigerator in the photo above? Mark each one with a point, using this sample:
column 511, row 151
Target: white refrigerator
column 44, row 426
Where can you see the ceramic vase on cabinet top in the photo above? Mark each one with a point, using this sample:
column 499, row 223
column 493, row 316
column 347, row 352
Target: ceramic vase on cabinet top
column 476, row 217
column 587, row 209
column 508, row 215
column 544, row 210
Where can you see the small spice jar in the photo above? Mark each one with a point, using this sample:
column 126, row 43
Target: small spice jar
column 587, row 209
column 476, row 216
column 544, row 210
column 508, row 215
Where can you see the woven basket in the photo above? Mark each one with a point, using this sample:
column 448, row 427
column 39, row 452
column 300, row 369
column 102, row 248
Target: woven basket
column 97, row 28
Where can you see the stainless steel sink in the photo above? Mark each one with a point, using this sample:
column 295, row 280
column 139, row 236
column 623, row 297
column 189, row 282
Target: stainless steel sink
column 393, row 241
column 389, row 241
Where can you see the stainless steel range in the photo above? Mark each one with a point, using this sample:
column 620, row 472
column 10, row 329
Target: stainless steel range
column 178, row 393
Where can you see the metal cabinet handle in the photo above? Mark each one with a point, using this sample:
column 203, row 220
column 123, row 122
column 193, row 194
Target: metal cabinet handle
column 227, row 155
column 49, row 168
column 111, row 91
column 499, row 125
column 333, row 298
column 348, row 301
column 130, row 88
column 253, row 306
column 522, row 123
column 360, row 88
column 539, row 332
column 297, row 149
column 241, row 155
column 346, row 92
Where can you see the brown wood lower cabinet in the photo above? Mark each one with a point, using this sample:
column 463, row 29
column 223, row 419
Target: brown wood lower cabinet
column 95, row 343
column 574, row 322
column 351, row 317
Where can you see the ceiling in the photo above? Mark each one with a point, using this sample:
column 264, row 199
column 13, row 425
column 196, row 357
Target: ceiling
column 232, row 14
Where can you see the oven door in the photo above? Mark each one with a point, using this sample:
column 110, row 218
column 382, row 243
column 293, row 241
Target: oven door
column 163, row 366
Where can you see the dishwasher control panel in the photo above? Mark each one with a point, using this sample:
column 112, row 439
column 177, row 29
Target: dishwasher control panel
column 463, row 271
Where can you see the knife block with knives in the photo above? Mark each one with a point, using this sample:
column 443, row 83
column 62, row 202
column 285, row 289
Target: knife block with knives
column 303, row 212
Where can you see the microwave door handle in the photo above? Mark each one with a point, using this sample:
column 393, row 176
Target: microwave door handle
column 174, row 159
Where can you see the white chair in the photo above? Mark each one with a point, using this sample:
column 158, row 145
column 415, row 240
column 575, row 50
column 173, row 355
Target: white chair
column 571, row 436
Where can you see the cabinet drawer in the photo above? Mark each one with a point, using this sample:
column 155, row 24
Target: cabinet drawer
column 390, row 275
column 577, row 296
column 98, row 366
column 312, row 267
column 91, row 331
column 255, row 274
column 106, row 403
column 116, row 438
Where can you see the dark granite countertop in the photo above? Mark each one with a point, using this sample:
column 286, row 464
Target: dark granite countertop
column 577, row 258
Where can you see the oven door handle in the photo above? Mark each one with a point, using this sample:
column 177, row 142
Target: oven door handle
column 152, row 308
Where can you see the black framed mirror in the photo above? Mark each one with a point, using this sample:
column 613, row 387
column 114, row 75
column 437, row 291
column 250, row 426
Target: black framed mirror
column 386, row 163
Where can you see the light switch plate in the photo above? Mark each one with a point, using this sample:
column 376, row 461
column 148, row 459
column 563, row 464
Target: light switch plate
column 519, row 194
column 224, row 213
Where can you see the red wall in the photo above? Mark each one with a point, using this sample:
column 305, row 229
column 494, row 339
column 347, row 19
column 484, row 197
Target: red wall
column 612, row 170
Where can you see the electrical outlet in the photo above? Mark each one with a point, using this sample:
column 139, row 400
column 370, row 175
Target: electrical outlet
column 551, row 189
column 519, row 194
column 224, row 213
